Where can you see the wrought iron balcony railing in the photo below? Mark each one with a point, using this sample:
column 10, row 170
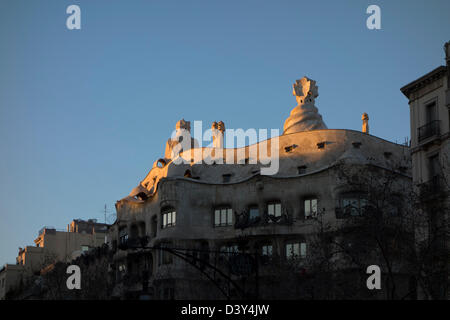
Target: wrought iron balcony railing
column 432, row 128
column 431, row 187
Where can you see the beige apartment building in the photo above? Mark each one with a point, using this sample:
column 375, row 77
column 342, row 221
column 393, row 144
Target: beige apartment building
column 429, row 102
column 52, row 246
column 11, row 276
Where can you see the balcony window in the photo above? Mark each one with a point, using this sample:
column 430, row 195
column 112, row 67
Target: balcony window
column 310, row 206
column 123, row 236
column 295, row 250
column 431, row 112
column 223, row 217
column 434, row 167
column 353, row 205
column 267, row 250
column 274, row 211
column 229, row 249
column 253, row 213
column 432, row 187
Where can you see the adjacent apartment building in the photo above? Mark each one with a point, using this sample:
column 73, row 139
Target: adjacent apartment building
column 52, row 246
column 429, row 104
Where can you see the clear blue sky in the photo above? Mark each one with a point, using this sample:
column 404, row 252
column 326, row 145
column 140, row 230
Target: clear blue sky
column 84, row 113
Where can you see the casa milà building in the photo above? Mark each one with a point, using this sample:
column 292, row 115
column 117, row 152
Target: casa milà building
column 196, row 230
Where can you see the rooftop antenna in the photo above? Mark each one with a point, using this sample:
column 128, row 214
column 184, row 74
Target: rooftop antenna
column 107, row 215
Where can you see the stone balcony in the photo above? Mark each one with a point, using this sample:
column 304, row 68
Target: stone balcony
column 429, row 130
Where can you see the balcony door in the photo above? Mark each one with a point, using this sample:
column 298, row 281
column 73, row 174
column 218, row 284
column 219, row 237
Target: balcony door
column 431, row 112
column 434, row 166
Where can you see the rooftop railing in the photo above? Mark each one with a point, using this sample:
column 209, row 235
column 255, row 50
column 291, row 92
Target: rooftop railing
column 52, row 229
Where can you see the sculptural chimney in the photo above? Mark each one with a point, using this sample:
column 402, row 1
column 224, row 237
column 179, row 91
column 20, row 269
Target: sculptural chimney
column 218, row 130
column 305, row 116
column 365, row 125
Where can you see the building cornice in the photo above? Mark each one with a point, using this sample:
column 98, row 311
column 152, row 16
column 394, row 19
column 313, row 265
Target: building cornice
column 423, row 81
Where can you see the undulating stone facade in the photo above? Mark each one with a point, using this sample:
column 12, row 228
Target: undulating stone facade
column 195, row 218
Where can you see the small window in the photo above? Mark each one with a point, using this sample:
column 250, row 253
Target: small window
column 169, row 219
column 223, row 217
column 295, row 250
column 310, row 206
column 122, row 268
column 123, row 236
column 356, row 144
column 290, row 148
column 253, row 213
column 161, row 163
column 229, row 249
column 353, row 205
column 301, row 170
column 267, row 250
column 226, row 178
column 274, row 211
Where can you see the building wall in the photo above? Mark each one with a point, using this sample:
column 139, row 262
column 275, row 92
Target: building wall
column 64, row 245
column 433, row 184
column 57, row 246
column 10, row 277
column 422, row 150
